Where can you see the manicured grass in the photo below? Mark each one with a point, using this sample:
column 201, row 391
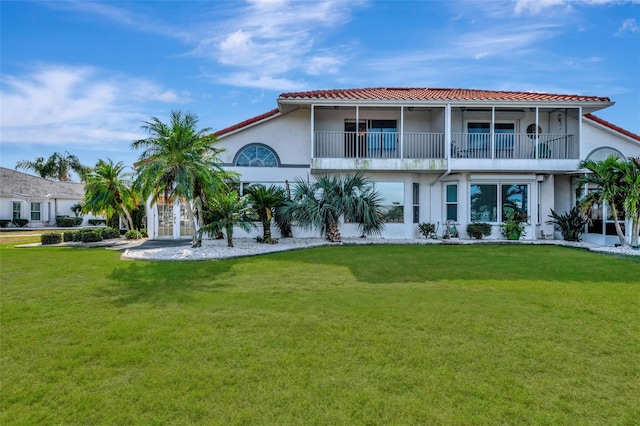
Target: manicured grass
column 336, row 335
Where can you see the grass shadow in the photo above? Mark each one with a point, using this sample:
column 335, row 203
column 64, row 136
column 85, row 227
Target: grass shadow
column 379, row 264
column 165, row 282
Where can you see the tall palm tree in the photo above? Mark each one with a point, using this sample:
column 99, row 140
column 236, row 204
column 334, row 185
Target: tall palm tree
column 606, row 175
column 264, row 201
column 57, row 166
column 321, row 204
column 179, row 162
column 108, row 190
column 229, row 209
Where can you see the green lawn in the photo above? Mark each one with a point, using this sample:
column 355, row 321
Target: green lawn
column 335, row 335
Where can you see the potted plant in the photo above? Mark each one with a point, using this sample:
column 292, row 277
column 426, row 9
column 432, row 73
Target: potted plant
column 513, row 227
column 478, row 229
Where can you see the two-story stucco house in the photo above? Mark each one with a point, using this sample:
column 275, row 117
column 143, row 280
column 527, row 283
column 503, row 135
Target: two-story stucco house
column 435, row 155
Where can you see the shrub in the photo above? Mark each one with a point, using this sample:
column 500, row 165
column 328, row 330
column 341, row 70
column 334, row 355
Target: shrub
column 570, row 224
column 109, row 233
column 4, row 223
column 97, row 222
column 144, row 233
column 68, row 221
column 51, row 238
column 69, row 235
column 133, row 235
column 20, row 222
column 91, row 236
column 478, row 229
column 427, row 229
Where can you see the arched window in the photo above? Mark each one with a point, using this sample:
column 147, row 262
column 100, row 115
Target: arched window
column 256, row 155
column 603, row 153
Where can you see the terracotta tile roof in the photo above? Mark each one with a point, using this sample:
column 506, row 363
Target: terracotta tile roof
column 612, row 126
column 410, row 94
column 246, row 123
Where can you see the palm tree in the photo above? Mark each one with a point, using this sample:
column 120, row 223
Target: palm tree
column 108, row 190
column 631, row 180
column 321, row 204
column 606, row 175
column 264, row 201
column 229, row 209
column 179, row 162
column 57, row 166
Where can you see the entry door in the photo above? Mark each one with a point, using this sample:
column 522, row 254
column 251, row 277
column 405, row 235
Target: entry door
column 165, row 219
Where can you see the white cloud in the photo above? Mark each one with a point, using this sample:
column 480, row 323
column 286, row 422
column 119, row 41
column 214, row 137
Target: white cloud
column 537, row 6
column 267, row 41
column 628, row 25
column 76, row 105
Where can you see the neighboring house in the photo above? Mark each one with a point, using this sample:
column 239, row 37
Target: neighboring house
column 435, row 155
column 24, row 196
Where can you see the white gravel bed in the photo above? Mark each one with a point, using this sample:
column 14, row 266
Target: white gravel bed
column 217, row 249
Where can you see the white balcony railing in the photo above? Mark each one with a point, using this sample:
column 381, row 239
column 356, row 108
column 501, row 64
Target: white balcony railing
column 417, row 145
column 378, row 145
column 514, row 146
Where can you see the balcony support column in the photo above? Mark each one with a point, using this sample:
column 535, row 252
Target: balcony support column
column 535, row 147
column 401, row 132
column 313, row 120
column 493, row 133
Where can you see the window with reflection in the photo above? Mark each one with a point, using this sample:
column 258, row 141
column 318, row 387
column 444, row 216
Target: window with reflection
column 392, row 200
column 256, row 155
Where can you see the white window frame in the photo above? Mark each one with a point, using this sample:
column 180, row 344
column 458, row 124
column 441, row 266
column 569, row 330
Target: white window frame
column 32, row 211
column 14, row 211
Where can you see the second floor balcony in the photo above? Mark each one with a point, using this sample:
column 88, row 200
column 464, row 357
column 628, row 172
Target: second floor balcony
column 431, row 151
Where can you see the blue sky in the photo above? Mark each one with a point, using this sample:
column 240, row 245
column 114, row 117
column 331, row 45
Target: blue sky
column 81, row 76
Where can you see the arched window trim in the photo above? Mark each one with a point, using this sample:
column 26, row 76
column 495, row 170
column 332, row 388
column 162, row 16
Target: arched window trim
column 254, row 145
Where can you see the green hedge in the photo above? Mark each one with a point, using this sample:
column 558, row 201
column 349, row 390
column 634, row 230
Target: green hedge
column 110, row 233
column 4, row 223
column 68, row 235
column 51, row 238
column 91, row 236
column 68, row 221
column 97, row 222
column 133, row 235
column 20, row 222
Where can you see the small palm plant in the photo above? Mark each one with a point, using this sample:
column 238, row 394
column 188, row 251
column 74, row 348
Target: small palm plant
column 264, row 201
column 228, row 210
column 570, row 224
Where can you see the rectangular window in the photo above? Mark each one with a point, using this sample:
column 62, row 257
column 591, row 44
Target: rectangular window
column 416, row 203
column 479, row 139
column 493, row 201
column 16, row 209
column 484, row 203
column 35, row 211
column 391, row 200
column 452, row 202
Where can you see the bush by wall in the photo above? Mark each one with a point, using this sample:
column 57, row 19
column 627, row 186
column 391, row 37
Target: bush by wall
column 97, row 222
column 478, row 229
column 20, row 222
column 68, row 221
column 4, row 223
column 51, row 238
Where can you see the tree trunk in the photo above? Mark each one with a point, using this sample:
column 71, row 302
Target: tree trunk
column 127, row 217
column 229, row 230
column 333, row 233
column 616, row 223
column 194, row 224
